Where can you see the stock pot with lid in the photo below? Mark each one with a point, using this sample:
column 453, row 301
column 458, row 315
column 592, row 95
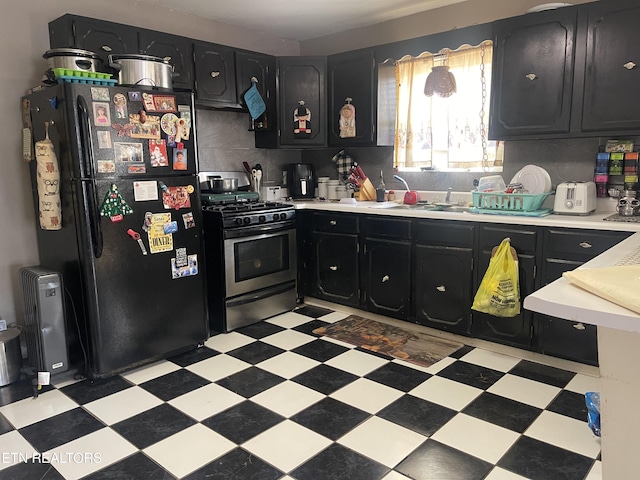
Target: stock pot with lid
column 73, row 59
column 138, row 69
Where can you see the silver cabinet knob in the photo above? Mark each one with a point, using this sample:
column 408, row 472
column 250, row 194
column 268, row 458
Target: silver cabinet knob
column 333, row 267
column 106, row 48
column 333, row 222
column 441, row 288
column 629, row 65
column 214, row 74
column 385, row 278
column 531, row 76
column 585, row 245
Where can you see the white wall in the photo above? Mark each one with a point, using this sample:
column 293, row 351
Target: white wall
column 25, row 37
column 465, row 14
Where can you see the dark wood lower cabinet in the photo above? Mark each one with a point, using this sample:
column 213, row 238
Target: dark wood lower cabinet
column 515, row 331
column 335, row 268
column 388, row 278
column 428, row 271
column 442, row 287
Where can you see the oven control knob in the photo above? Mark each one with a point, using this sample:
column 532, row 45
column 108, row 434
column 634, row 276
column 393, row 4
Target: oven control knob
column 247, row 220
column 239, row 221
column 283, row 216
column 262, row 218
column 276, row 216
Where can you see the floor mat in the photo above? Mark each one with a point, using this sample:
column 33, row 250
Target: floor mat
column 414, row 347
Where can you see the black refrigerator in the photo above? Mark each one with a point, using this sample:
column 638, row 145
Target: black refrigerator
column 119, row 217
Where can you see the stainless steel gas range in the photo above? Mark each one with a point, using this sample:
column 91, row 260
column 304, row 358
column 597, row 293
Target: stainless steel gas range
column 250, row 254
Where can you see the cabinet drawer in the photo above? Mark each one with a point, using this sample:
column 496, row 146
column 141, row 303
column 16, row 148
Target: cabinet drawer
column 448, row 234
column 328, row 222
column 584, row 244
column 387, row 227
column 553, row 268
column 524, row 240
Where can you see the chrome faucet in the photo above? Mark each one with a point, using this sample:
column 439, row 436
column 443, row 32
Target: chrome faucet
column 447, row 199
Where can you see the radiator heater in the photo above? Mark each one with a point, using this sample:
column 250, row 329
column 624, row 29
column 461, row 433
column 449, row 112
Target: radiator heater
column 46, row 338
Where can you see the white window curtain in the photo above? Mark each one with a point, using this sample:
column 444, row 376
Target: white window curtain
column 445, row 132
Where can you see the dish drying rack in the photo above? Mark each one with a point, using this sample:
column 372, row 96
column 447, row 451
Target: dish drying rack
column 508, row 202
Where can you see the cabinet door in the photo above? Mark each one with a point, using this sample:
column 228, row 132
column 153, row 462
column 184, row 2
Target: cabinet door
column 351, row 75
column 533, row 74
column 515, row 331
column 336, row 276
column 262, row 68
column 611, row 101
column 97, row 36
column 302, row 79
column 442, row 287
column 388, row 278
column 215, row 75
column 177, row 49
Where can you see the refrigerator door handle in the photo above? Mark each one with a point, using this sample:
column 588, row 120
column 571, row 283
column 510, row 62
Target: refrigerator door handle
column 87, row 175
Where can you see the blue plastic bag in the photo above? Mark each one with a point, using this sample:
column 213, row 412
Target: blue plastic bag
column 592, row 399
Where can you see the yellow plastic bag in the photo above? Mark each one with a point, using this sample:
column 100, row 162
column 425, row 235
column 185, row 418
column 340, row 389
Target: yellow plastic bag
column 499, row 291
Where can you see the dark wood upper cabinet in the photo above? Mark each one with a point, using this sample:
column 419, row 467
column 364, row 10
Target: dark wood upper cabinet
column 612, row 77
column 215, row 74
column 568, row 72
column 302, row 79
column 177, row 50
column 98, row 36
column 262, row 68
column 352, row 75
column 532, row 75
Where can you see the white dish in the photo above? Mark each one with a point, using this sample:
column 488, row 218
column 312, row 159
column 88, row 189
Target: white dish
column 548, row 6
column 535, row 179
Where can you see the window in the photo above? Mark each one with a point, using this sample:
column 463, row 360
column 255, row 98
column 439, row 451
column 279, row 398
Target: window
column 445, row 132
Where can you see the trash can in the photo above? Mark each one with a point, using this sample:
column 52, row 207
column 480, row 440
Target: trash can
column 10, row 355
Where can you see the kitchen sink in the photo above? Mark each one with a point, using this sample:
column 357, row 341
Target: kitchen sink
column 432, row 207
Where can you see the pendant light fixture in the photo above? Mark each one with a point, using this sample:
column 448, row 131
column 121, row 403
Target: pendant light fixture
column 440, row 81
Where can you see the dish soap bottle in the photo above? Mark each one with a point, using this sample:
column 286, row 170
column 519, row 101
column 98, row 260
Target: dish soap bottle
column 380, row 189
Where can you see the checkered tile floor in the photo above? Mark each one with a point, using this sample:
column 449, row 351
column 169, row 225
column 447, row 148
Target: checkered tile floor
column 274, row 401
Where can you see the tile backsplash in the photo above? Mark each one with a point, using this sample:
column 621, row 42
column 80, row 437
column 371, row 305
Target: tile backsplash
column 224, row 142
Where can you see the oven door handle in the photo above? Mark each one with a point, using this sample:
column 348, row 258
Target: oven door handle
column 271, row 228
column 246, row 299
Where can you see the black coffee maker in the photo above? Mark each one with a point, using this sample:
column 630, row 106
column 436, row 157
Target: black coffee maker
column 301, row 180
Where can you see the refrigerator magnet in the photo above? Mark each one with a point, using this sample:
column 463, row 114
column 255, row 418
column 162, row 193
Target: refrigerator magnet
column 104, row 139
column 168, row 123
column 145, row 191
column 158, row 153
column 106, row 166
column 99, row 94
column 176, row 197
column 114, row 205
column 170, row 227
column 190, row 269
column 136, row 169
column 164, row 103
column 158, row 240
column 147, row 101
column 189, row 221
column 180, row 159
column 120, row 101
column 101, row 114
column 185, row 114
column 134, row 96
column 144, row 126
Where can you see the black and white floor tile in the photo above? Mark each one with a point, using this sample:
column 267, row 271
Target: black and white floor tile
column 274, row 401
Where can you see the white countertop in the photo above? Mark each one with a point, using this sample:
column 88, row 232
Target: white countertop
column 593, row 221
column 564, row 300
